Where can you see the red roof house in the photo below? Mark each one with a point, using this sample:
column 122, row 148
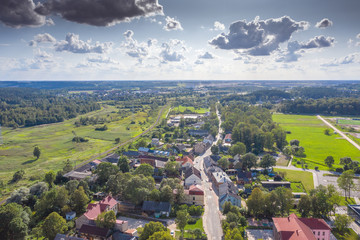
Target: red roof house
column 294, row 228
column 227, row 138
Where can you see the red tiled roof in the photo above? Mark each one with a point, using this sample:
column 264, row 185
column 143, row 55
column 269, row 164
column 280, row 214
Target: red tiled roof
column 315, row 223
column 185, row 160
column 292, row 228
column 110, row 201
column 94, row 230
column 228, row 136
column 93, row 210
column 97, row 162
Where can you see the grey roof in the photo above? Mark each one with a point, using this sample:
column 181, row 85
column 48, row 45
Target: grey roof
column 122, row 236
column 84, row 168
column 112, row 158
column 151, row 206
column 65, row 237
column 191, row 171
column 78, row 175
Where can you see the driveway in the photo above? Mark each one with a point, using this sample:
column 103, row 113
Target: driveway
column 134, row 223
column 254, row 234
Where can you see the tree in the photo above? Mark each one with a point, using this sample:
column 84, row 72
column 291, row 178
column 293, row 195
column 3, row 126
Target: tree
column 280, row 137
column 106, row 219
column 163, row 235
column 51, row 201
column 50, row 178
column 224, row 163
column 181, row 220
column 287, row 151
column 117, row 140
column 237, row 148
column 104, row 170
column 215, row 150
column 37, row 152
column 269, row 140
column 267, row 161
column 151, row 228
column 294, row 142
column 144, row 169
column 123, row 164
column 284, row 196
column 249, row 160
column 342, row 222
column 18, row 175
column 329, row 161
column 233, row 234
column 327, row 131
column 19, row 196
column 79, row 200
column 172, row 168
column 68, row 167
column 346, row 182
column 72, row 185
column 53, row 225
column 197, row 233
column 304, row 206
column 155, row 195
column 166, row 194
column 14, row 221
column 255, row 202
column 38, row 189
column 141, row 143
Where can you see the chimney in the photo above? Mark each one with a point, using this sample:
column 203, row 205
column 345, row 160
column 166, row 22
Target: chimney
column 289, row 218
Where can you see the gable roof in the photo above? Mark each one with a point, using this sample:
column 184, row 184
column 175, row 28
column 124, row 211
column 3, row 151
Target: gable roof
column 185, row 160
column 94, row 230
column 94, row 209
column 192, row 170
column 152, row 206
column 109, row 201
column 65, row 237
column 228, row 136
column 244, row 174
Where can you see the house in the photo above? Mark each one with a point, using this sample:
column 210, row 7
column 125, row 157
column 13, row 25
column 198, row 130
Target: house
column 198, row 133
column 151, row 160
column 123, row 236
column 192, row 176
column 142, row 150
column 231, row 172
column 74, row 175
column 66, row 237
column 94, row 209
column 94, row 232
column 194, row 195
column 185, row 162
column 227, row 138
column 200, row 148
column 157, row 208
column 131, row 154
column 209, row 139
column 294, row 228
column 111, row 158
column 233, row 198
column 354, row 211
column 155, row 142
column 95, row 163
column 160, row 153
column 70, row 216
column 271, row 185
column 244, row 177
column 220, row 180
column 121, row 225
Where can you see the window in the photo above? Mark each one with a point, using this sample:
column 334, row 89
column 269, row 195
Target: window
column 323, row 233
column 193, row 198
column 319, row 234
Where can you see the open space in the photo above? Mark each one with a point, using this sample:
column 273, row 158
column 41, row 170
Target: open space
column 310, row 132
column 306, row 178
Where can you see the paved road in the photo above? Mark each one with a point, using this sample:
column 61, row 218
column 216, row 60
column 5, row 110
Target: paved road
column 339, row 132
column 212, row 215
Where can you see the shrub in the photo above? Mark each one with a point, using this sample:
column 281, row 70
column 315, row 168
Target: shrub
column 339, row 170
column 192, row 220
column 316, row 168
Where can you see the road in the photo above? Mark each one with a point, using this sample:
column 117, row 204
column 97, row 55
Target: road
column 339, row 132
column 212, row 214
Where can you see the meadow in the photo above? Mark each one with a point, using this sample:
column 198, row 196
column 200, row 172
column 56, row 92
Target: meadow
column 306, row 178
column 55, row 142
column 310, row 132
column 182, row 109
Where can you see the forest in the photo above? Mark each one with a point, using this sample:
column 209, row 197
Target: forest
column 24, row 107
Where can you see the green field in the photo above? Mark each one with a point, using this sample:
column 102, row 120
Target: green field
column 348, row 122
column 310, row 132
column 55, row 142
column 306, row 178
column 182, row 109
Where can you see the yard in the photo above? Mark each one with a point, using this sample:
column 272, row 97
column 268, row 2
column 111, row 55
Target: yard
column 182, row 109
column 349, row 235
column 310, row 132
column 306, row 178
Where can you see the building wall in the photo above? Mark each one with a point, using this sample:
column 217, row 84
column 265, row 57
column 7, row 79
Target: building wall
column 81, row 220
column 322, row 234
column 189, row 199
column 192, row 180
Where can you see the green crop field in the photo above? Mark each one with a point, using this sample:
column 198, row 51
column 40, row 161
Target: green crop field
column 306, row 178
column 55, row 142
column 182, row 109
column 310, row 132
column 348, row 122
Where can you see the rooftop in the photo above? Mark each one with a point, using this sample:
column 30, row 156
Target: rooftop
column 191, row 171
column 94, row 230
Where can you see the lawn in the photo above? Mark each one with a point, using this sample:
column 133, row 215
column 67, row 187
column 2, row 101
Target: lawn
column 346, row 202
column 182, row 109
column 348, row 122
column 349, row 235
column 198, row 224
column 55, row 142
column 310, row 132
column 297, row 187
column 306, row 178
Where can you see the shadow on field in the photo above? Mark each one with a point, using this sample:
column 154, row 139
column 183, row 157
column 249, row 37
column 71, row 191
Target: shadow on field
column 29, row 161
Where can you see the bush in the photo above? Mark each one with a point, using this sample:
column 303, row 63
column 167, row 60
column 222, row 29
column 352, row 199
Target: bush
column 298, row 162
column 103, row 128
column 192, row 220
column 316, row 168
column 339, row 170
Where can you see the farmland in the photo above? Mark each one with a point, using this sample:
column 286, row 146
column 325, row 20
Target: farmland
column 55, row 141
column 185, row 109
column 310, row 132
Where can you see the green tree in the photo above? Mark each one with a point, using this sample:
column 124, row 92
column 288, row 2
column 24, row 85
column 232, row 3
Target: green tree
column 233, row 234
column 237, row 148
column 294, row 142
column 198, row 233
column 181, row 220
column 255, row 202
column 50, row 178
column 144, row 169
column 106, row 219
column 329, row 161
column 267, row 161
column 163, row 235
column 20, row 195
column 327, row 131
column 304, row 206
column 18, row 175
column 72, row 185
column 346, row 182
column 141, row 143
column 342, row 222
column 287, row 151
column 151, row 228
column 284, row 200
column 172, row 168
column 215, row 150
column 14, row 221
column 280, row 137
column 79, row 200
column 117, row 140
column 155, row 195
column 53, row 225
column 269, row 140
column 166, row 194
column 104, row 170
column 249, row 160
column 123, row 164
column 37, row 152
column 224, row 163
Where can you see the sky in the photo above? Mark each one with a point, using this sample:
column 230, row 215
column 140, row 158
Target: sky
column 179, row 40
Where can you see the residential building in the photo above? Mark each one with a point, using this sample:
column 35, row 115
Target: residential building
column 220, row 180
column 66, row 237
column 194, row 195
column 233, row 198
column 209, row 139
column 151, row 159
column 198, row 133
column 111, row 158
column 185, row 162
column 94, row 232
column 155, row 142
column 200, row 148
column 227, row 138
column 74, row 175
column 295, row 228
column 271, row 185
column 94, row 209
column 244, row 177
column 192, row 176
column 123, row 236
column 157, row 208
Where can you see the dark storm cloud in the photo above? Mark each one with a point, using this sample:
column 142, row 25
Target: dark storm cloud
column 99, row 12
column 324, row 23
column 258, row 37
column 20, row 13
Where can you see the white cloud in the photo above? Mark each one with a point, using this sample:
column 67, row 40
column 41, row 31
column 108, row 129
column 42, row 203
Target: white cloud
column 73, row 44
column 258, row 37
column 324, row 23
column 349, row 59
column 218, row 26
column 50, row 22
column 206, row 55
column 42, row 38
column 172, row 24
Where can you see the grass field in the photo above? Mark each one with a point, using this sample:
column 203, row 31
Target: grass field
column 306, row 178
column 348, row 122
column 310, row 132
column 55, row 142
column 182, row 109
column 198, row 224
